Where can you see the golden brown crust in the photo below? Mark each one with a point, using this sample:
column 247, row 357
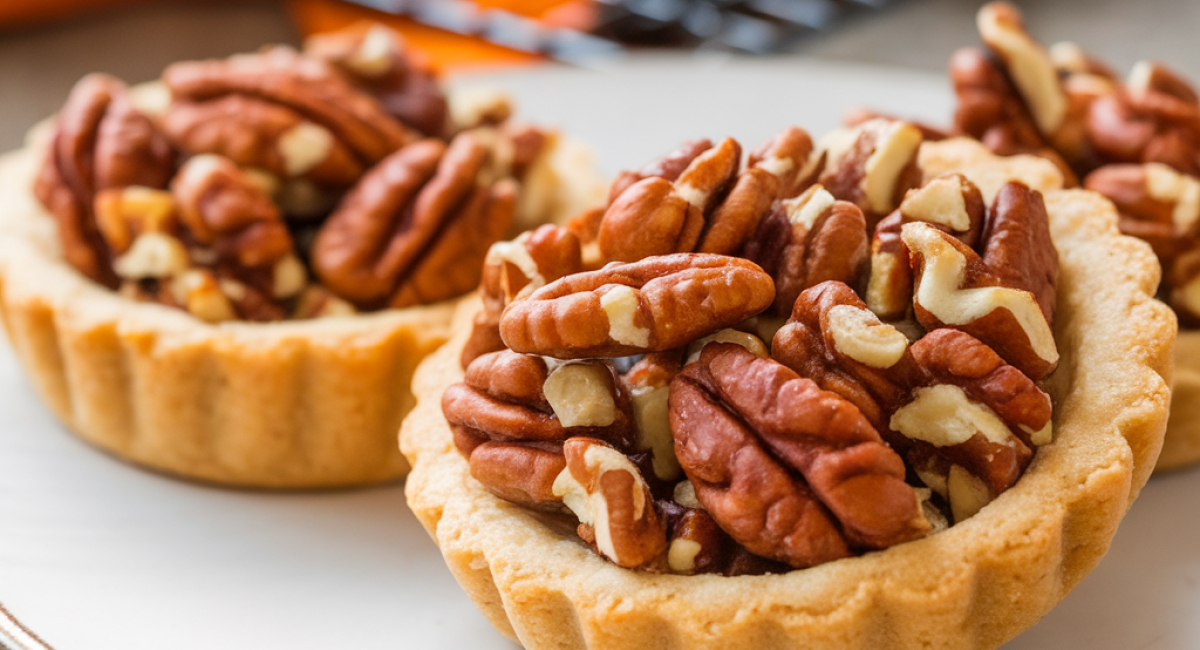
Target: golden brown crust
column 974, row 585
column 297, row 404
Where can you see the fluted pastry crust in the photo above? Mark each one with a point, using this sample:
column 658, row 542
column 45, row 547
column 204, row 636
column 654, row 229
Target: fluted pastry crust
column 975, row 585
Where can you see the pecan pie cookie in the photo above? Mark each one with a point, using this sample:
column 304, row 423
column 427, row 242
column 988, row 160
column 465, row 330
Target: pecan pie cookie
column 230, row 274
column 632, row 441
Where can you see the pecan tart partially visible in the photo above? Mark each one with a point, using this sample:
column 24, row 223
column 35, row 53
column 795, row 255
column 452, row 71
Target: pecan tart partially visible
column 1135, row 140
column 230, row 274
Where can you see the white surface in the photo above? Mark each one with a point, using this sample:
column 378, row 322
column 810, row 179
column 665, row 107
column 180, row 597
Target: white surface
column 95, row 554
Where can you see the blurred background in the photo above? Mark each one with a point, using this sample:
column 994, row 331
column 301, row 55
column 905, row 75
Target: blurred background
column 46, row 46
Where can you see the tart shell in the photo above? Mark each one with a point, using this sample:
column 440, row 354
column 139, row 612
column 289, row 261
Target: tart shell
column 974, row 585
column 297, row 404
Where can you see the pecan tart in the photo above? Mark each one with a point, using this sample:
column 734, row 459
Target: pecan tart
column 868, row 392
column 1134, row 140
column 230, row 274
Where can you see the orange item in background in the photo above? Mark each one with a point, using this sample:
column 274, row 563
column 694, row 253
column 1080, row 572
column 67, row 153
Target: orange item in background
column 444, row 50
column 19, row 13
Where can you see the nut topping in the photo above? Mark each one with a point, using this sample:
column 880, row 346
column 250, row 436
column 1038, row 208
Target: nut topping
column 503, row 398
column 289, row 114
column 743, row 424
column 1161, row 207
column 376, row 59
column 606, row 492
column 710, row 207
column 810, row 239
column 416, row 228
column 950, row 203
column 871, row 165
column 100, row 142
column 1006, row 297
column 1027, row 62
column 973, row 411
column 222, row 209
column 652, row 305
column 514, row 270
column 834, row 340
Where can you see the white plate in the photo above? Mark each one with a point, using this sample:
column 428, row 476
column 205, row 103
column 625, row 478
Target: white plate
column 96, row 554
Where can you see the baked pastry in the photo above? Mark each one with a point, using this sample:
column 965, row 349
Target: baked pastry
column 230, row 275
column 698, row 563
column 1136, row 141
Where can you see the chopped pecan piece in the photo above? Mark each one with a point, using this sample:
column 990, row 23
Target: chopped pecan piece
column 1005, row 297
column 142, row 229
column 614, row 505
column 950, row 203
column 696, row 544
column 807, row 240
column 648, row 383
column 969, row 409
column 292, row 115
column 375, row 58
column 100, row 142
column 416, row 228
column 653, row 305
column 871, row 165
column 748, row 428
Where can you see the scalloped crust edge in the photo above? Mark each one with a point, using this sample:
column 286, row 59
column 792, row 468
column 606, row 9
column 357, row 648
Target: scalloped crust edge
column 973, row 586
column 299, row 404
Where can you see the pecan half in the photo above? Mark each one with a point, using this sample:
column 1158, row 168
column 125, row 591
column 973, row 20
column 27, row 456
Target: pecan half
column 292, row 115
column 1155, row 118
column 614, row 505
column 225, row 211
column 507, row 397
column 710, row 207
column 1162, row 207
column 668, row 168
column 416, row 228
column 1005, row 297
column 807, row 240
column 748, row 428
column 656, row 304
column 871, row 165
column 515, row 269
column 971, row 410
column 950, row 203
column 376, row 59
column 100, row 142
column 834, row 340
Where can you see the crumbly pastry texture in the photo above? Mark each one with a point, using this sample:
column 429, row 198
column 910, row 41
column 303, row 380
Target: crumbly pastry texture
column 297, row 404
column 974, row 585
